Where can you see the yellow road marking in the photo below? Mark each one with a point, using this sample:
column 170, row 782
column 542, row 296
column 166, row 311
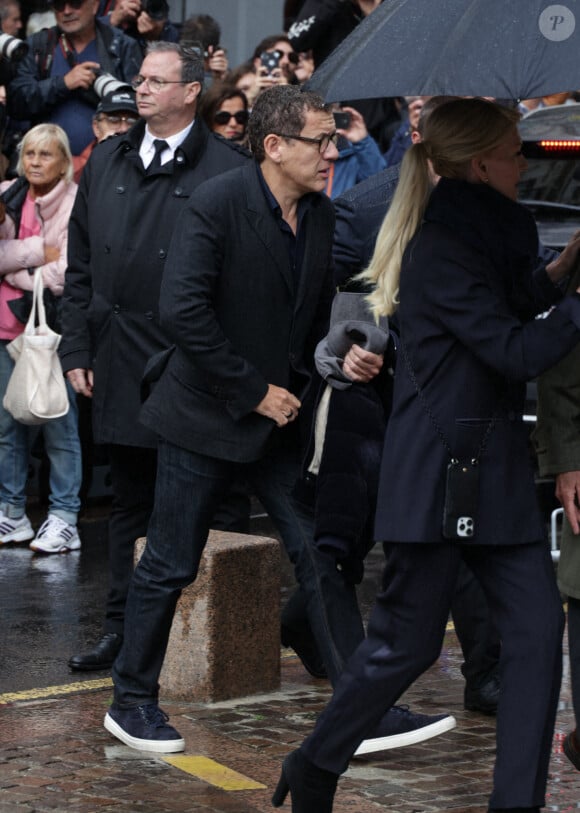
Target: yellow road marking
column 54, row 691
column 213, row 773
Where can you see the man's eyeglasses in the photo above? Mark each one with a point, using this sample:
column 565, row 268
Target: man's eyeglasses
column 223, row 117
column 322, row 143
column 113, row 118
column 59, row 5
column 156, row 85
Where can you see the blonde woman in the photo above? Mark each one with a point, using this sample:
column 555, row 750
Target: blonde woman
column 458, row 264
column 34, row 233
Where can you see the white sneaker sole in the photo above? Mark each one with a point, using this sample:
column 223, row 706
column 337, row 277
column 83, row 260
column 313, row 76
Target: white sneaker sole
column 407, row 738
column 155, row 746
column 38, row 546
column 17, row 536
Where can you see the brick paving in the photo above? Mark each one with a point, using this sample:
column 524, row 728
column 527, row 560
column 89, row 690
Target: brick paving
column 56, row 756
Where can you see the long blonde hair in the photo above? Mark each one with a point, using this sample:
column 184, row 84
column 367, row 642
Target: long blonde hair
column 454, row 133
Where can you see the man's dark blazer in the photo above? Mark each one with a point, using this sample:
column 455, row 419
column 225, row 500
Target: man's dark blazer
column 229, row 304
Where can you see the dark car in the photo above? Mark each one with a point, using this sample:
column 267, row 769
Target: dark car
column 551, row 186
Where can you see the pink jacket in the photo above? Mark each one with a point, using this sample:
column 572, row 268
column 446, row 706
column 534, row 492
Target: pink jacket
column 17, row 256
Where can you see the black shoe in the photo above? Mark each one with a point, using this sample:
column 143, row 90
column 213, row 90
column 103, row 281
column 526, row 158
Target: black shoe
column 400, row 727
column 572, row 750
column 312, row 789
column 102, row 656
column 483, row 697
column 305, row 647
column 145, row 728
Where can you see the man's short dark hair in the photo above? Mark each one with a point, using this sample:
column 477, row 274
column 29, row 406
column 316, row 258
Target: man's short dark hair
column 280, row 109
column 203, row 29
column 192, row 69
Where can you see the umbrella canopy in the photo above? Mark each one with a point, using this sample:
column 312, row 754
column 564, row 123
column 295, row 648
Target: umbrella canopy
column 508, row 49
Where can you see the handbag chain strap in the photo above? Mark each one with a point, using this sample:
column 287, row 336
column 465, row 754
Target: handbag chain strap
column 490, row 426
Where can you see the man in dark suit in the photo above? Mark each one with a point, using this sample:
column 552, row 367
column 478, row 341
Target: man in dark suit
column 245, row 298
column 124, row 215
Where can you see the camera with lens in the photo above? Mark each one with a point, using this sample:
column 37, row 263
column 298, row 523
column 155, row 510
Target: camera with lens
column 156, row 9
column 12, row 48
column 270, row 60
column 106, row 83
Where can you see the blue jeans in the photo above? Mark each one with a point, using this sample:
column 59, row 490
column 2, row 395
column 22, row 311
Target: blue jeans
column 62, row 445
column 189, row 489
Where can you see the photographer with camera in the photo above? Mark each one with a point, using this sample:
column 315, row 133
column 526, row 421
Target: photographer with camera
column 204, row 30
column 146, row 21
column 275, row 61
column 358, row 154
column 55, row 81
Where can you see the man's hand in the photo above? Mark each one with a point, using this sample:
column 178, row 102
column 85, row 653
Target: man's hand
column 357, row 129
column 361, row 365
column 279, row 405
column 217, row 62
column 81, row 381
column 568, row 492
column 81, row 76
column 125, row 11
column 267, row 80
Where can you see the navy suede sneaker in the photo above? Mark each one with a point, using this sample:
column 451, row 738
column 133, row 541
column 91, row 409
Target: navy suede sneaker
column 144, row 728
column 400, row 727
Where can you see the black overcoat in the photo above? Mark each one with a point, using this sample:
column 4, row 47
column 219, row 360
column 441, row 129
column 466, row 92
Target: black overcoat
column 468, row 297
column 229, row 304
column 120, row 230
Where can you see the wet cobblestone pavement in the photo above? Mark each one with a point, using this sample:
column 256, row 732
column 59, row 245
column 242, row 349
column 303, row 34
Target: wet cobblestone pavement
column 56, row 756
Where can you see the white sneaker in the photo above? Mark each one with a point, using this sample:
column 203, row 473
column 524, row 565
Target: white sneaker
column 15, row 530
column 56, row 536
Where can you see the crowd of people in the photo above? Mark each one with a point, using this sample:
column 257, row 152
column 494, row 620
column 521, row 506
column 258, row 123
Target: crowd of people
column 193, row 222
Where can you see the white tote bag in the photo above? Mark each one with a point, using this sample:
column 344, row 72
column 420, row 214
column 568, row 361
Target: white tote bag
column 36, row 390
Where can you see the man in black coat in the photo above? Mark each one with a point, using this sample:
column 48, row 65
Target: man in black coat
column 245, row 298
column 122, row 222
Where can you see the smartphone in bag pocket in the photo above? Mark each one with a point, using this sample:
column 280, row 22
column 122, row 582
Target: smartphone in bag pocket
column 461, row 500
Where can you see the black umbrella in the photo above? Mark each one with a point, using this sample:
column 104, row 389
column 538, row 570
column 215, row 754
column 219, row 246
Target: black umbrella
column 508, row 49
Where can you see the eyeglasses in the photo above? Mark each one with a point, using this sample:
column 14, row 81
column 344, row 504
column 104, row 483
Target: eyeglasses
column 223, row 117
column 322, row 143
column 155, row 85
column 59, row 5
column 113, row 118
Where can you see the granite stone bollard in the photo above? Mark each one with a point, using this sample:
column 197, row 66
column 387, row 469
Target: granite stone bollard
column 225, row 637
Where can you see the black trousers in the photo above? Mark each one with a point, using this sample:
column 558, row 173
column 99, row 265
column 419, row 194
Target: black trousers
column 133, row 474
column 405, row 635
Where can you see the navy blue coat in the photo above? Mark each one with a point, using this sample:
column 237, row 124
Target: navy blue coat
column 468, row 294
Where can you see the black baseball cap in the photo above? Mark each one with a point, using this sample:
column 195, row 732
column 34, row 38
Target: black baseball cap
column 118, row 101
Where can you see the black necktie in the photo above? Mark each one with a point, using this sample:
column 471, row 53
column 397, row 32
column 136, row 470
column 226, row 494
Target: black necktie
column 159, row 145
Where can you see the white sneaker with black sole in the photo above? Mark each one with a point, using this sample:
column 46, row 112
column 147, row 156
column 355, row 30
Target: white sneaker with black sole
column 56, row 536
column 15, row 530
column 400, row 727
